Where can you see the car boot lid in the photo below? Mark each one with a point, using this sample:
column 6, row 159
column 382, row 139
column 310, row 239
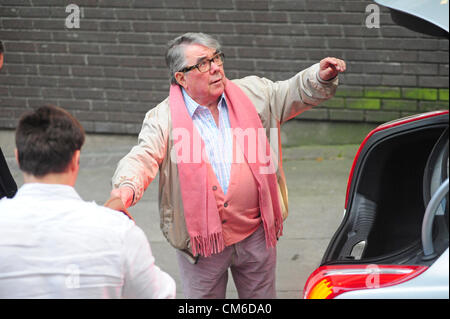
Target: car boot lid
column 433, row 11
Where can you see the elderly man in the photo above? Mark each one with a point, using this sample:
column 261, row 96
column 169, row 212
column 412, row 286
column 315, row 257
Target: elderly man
column 55, row 245
column 222, row 190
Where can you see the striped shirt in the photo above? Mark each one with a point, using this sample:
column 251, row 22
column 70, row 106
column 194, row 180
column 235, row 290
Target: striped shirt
column 218, row 140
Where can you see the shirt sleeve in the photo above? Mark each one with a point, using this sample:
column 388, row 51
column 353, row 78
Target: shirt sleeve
column 142, row 277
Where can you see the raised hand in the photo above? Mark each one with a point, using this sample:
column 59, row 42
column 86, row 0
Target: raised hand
column 330, row 68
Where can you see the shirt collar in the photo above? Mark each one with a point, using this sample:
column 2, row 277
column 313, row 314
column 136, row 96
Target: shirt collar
column 192, row 106
column 48, row 191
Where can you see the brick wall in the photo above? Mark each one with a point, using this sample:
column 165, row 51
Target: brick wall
column 111, row 70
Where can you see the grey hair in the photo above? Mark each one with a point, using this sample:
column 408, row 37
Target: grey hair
column 175, row 57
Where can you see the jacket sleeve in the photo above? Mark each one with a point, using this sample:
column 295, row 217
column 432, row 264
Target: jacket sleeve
column 140, row 166
column 286, row 99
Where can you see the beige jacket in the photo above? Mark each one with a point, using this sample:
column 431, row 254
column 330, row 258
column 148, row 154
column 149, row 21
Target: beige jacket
column 275, row 102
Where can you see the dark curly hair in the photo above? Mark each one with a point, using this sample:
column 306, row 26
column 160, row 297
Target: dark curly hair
column 46, row 140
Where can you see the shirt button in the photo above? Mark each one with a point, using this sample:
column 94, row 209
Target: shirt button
column 225, row 205
column 214, row 188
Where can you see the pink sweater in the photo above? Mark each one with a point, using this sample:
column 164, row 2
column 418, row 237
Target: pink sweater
column 239, row 208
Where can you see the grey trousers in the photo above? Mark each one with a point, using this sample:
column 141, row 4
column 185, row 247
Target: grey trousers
column 251, row 263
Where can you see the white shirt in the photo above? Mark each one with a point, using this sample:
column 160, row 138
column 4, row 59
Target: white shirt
column 55, row 245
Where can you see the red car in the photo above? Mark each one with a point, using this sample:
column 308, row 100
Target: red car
column 384, row 239
column 393, row 239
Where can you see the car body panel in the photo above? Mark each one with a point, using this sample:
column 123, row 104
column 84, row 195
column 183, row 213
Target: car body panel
column 381, row 134
column 382, row 127
column 391, row 182
column 431, row 284
column 433, row 11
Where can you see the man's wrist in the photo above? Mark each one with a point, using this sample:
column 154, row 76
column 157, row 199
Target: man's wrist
column 324, row 81
column 133, row 193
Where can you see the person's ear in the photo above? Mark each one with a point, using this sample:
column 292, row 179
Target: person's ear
column 75, row 164
column 181, row 79
column 73, row 168
column 16, row 154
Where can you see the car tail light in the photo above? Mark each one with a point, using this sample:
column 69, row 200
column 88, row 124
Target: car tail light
column 327, row 282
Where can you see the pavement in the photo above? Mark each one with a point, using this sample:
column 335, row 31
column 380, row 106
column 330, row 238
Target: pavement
column 316, row 177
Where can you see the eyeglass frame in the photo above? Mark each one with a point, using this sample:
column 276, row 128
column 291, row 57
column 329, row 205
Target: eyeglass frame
column 216, row 54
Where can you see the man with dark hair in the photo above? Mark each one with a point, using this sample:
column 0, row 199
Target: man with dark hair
column 8, row 186
column 55, row 245
column 47, row 140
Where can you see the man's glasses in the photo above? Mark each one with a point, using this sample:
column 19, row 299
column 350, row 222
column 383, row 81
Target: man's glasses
column 205, row 64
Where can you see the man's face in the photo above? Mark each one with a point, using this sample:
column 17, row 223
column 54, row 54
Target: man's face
column 204, row 88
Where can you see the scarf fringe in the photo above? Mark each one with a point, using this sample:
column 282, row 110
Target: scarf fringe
column 206, row 246
column 273, row 232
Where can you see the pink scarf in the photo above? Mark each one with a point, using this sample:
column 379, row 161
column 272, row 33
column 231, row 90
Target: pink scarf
column 200, row 208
